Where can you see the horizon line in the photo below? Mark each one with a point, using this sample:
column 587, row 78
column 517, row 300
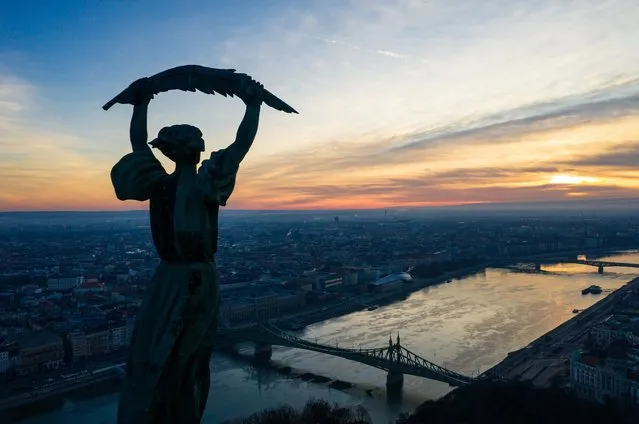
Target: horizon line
column 459, row 205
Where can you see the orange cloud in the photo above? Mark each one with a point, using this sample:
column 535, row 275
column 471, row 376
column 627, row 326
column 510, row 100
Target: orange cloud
column 529, row 164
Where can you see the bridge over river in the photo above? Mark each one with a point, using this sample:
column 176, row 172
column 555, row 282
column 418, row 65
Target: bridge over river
column 600, row 265
column 394, row 358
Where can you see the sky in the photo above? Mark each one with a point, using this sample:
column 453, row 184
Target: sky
column 402, row 102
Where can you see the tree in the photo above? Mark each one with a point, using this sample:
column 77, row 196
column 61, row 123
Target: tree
column 314, row 412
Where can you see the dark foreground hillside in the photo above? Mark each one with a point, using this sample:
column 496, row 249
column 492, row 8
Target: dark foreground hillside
column 512, row 402
column 315, row 412
column 484, row 402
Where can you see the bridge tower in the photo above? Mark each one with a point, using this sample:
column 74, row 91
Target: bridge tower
column 600, row 269
column 262, row 352
column 394, row 379
column 537, row 266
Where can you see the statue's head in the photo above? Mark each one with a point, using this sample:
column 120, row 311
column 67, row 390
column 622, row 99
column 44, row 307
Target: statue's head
column 181, row 143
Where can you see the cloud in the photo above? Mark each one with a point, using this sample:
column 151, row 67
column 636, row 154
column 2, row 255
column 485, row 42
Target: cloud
column 355, row 47
column 508, row 161
column 41, row 168
column 15, row 96
column 618, row 156
column 422, row 192
column 451, row 143
column 392, row 68
column 554, row 115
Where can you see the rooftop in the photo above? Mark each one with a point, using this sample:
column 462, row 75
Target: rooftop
column 33, row 339
column 393, row 278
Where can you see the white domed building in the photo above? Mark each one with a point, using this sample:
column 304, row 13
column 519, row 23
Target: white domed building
column 390, row 282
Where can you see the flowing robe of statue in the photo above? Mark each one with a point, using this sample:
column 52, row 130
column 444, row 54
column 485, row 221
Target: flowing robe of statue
column 174, row 330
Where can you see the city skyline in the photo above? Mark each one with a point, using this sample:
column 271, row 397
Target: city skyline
column 402, row 103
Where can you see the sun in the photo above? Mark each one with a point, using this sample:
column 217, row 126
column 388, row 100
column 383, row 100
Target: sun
column 571, row 179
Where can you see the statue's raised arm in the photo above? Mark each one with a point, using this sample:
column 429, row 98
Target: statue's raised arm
column 252, row 95
column 140, row 95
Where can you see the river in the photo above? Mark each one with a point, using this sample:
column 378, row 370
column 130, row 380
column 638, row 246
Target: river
column 468, row 326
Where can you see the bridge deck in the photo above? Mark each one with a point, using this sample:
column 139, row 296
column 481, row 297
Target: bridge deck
column 592, row 262
column 393, row 358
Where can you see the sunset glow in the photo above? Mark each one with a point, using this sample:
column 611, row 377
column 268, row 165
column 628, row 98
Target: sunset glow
column 402, row 103
column 569, row 179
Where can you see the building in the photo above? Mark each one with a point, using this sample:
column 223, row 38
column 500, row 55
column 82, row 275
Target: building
column 601, row 334
column 583, row 374
column 89, row 287
column 328, row 281
column 98, row 343
column 39, row 352
column 5, row 361
column 368, row 275
column 7, row 297
column 350, row 278
column 85, row 344
column 290, row 302
column 235, row 312
column 77, row 345
column 65, row 283
column 595, row 377
column 119, row 337
column 9, row 359
column 29, row 289
column 614, row 328
column 390, row 282
column 123, row 278
column 266, row 306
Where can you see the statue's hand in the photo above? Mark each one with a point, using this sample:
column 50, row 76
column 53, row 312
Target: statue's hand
column 251, row 92
column 143, row 91
column 138, row 93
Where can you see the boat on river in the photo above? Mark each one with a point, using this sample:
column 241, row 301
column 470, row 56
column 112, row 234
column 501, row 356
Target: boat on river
column 594, row 289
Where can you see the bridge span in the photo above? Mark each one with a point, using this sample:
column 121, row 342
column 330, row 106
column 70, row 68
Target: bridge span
column 394, row 358
column 600, row 265
column 605, row 263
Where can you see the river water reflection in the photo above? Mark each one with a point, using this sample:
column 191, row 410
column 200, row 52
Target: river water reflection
column 468, row 326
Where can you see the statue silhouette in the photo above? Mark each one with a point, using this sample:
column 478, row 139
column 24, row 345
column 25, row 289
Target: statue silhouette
column 167, row 377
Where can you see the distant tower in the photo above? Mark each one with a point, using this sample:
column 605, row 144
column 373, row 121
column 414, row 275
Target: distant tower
column 385, row 213
column 336, row 220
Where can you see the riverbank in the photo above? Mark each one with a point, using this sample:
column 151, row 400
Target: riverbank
column 545, row 360
column 364, row 301
column 386, row 298
column 17, row 406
